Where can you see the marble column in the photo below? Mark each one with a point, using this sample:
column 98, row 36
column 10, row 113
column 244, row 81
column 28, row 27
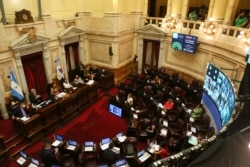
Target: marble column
column 216, row 10
column 176, row 8
column 230, row 12
column 46, row 10
column 184, row 11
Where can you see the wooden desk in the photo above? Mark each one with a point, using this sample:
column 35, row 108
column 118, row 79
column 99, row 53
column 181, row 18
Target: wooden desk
column 50, row 117
column 106, row 82
column 32, row 128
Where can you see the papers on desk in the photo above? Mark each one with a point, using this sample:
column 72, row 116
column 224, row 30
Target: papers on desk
column 70, row 147
column 88, row 148
column 122, row 138
column 21, row 160
column 90, row 82
column 61, row 95
column 25, row 118
column 56, row 143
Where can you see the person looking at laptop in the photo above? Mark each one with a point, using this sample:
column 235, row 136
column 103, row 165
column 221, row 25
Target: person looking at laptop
column 109, row 155
column 49, row 155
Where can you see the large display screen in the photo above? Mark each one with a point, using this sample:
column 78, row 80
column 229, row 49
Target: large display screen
column 218, row 95
column 184, row 42
column 115, row 110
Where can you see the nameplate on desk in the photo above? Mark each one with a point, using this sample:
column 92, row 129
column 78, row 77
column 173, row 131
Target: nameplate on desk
column 88, row 148
column 70, row 147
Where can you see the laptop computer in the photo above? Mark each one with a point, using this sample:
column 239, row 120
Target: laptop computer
column 140, row 153
column 120, row 163
column 105, row 143
column 58, row 140
column 71, row 144
column 88, row 146
column 193, row 140
column 119, row 135
column 165, row 123
column 23, row 158
column 34, row 163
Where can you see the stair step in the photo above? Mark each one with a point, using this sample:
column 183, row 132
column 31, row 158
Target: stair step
column 15, row 141
column 13, row 151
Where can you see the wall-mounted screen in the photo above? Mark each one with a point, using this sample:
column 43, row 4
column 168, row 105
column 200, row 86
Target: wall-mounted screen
column 184, row 42
column 218, row 95
column 115, row 110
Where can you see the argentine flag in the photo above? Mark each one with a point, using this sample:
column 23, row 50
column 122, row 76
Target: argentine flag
column 15, row 88
column 59, row 70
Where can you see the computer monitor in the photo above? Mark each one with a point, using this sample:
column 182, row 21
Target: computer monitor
column 88, row 143
column 105, row 140
column 59, row 137
column 135, row 116
column 72, row 142
column 120, row 162
column 115, row 110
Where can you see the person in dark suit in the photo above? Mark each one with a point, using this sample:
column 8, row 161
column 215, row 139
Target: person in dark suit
column 21, row 111
column 80, row 70
column 109, row 155
column 49, row 155
column 35, row 97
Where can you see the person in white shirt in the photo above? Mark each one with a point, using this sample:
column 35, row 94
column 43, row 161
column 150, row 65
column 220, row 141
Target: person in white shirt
column 67, row 86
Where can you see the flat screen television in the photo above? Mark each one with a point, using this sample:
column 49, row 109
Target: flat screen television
column 218, row 95
column 116, row 110
column 184, row 42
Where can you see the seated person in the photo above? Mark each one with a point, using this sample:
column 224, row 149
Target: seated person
column 169, row 104
column 21, row 111
column 78, row 80
column 241, row 20
column 49, row 155
column 14, row 102
column 109, row 155
column 161, row 152
column 130, row 100
column 35, row 97
column 66, row 85
column 197, row 112
column 54, row 90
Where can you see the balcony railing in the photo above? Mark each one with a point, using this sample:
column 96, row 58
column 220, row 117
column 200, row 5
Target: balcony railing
column 218, row 31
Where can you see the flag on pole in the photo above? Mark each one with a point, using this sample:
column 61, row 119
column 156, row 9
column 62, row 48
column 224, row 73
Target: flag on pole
column 59, row 70
column 15, row 88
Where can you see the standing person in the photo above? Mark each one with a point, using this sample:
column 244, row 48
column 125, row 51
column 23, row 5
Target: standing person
column 80, row 70
column 35, row 97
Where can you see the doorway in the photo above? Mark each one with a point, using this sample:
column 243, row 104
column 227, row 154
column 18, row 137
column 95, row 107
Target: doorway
column 150, row 56
column 72, row 59
column 34, row 71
